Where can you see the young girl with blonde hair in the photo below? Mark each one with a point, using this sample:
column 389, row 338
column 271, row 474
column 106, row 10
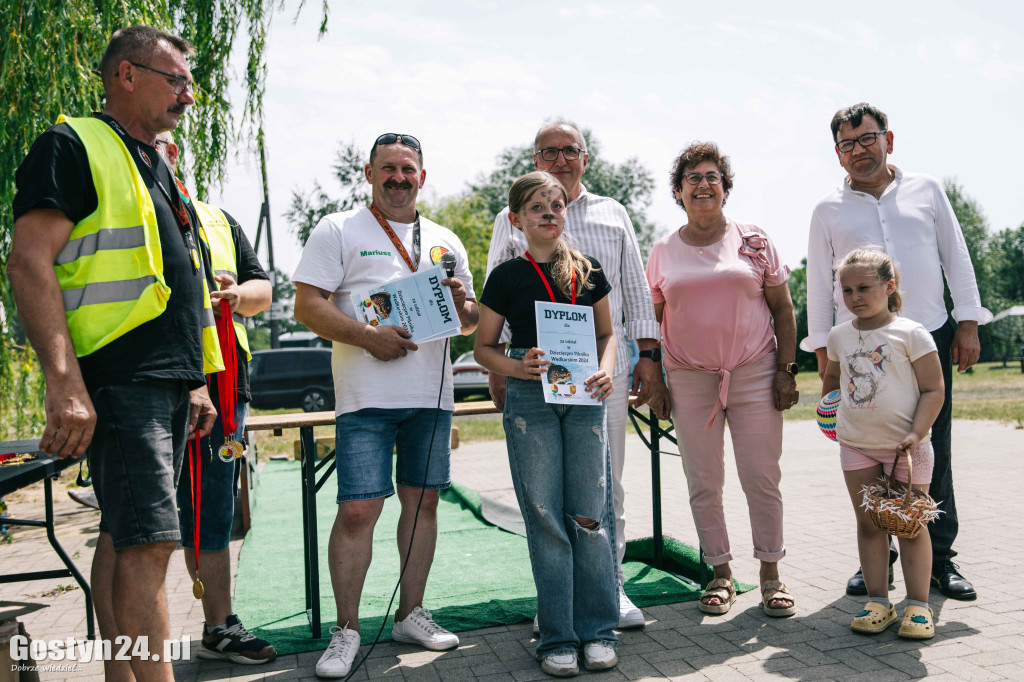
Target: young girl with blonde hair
column 558, row 453
column 887, row 370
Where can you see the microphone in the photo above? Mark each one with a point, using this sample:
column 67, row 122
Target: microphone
column 448, row 263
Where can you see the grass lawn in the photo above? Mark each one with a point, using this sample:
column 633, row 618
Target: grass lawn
column 987, row 392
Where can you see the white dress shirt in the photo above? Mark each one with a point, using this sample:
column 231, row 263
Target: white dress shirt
column 915, row 224
column 600, row 227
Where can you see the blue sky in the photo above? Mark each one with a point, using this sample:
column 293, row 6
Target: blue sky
column 760, row 79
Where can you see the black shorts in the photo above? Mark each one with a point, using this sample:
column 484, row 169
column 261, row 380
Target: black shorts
column 135, row 458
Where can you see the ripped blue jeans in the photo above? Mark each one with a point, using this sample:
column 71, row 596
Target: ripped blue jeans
column 559, row 460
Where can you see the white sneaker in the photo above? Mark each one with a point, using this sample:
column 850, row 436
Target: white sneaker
column 536, row 626
column 629, row 615
column 341, row 652
column 419, row 628
column 560, row 665
column 599, row 656
column 86, row 497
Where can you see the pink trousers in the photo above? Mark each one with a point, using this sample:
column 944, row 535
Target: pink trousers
column 756, row 429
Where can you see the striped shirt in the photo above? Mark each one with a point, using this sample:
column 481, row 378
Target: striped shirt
column 600, row 227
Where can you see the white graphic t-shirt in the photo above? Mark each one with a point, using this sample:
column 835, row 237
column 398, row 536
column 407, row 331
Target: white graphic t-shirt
column 877, row 381
column 350, row 251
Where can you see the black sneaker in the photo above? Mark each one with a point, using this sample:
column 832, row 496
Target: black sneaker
column 234, row 643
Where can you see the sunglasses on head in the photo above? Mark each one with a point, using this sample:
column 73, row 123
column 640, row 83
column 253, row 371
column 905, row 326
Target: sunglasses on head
column 391, row 138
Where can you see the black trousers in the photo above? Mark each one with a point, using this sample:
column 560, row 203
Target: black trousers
column 944, row 529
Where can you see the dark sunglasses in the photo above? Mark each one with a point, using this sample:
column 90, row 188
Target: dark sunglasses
column 391, row 138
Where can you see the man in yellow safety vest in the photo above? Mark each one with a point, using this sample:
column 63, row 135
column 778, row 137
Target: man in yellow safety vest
column 108, row 275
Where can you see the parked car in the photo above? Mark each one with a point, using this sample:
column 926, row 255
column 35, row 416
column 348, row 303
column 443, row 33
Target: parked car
column 469, row 377
column 291, row 378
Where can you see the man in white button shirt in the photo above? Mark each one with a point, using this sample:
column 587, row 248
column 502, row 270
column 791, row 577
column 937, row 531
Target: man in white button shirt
column 599, row 227
column 909, row 216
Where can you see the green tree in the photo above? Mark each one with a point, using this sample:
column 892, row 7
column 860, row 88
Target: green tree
column 50, row 51
column 1005, row 262
column 630, row 183
column 977, row 237
column 808, row 362
column 470, row 219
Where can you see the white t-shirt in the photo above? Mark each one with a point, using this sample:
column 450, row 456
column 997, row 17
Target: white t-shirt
column 350, row 250
column 877, row 382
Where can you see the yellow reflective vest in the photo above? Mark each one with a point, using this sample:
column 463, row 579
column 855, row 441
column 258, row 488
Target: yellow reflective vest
column 111, row 270
column 216, row 232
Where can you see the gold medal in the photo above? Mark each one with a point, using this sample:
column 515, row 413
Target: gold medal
column 231, row 450
column 226, row 453
column 197, row 588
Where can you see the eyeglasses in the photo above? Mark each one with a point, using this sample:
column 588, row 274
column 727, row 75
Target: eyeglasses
column 712, row 177
column 181, row 83
column 391, row 138
column 866, row 140
column 160, row 142
column 568, row 153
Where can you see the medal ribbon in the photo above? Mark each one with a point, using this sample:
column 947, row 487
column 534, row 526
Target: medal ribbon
column 227, row 381
column 545, row 280
column 413, row 262
column 195, row 475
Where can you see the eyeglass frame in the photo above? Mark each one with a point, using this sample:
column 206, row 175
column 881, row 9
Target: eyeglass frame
column 857, row 140
column 704, row 176
column 181, row 83
column 560, row 150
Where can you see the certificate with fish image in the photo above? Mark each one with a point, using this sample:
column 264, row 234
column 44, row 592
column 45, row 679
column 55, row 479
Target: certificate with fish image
column 419, row 303
column 566, row 335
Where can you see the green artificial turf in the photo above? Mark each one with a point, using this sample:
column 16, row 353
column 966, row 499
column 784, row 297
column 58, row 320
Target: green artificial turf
column 480, row 577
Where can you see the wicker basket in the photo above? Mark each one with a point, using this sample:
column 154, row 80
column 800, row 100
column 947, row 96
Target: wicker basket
column 898, row 509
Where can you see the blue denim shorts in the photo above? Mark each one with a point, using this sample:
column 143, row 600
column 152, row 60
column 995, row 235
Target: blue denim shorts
column 135, row 457
column 365, row 440
column 217, row 503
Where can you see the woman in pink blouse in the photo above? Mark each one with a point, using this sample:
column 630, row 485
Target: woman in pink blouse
column 729, row 337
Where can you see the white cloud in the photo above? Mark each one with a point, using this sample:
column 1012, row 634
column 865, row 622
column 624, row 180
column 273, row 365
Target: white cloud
column 997, row 69
column 816, row 30
column 648, row 11
column 731, row 29
column 922, row 52
column 597, row 12
column 597, row 100
column 964, row 51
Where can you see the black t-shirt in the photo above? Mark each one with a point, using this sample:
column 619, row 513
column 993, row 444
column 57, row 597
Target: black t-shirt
column 514, row 286
column 56, row 174
column 247, row 267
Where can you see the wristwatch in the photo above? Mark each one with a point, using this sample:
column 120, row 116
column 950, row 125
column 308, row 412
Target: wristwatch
column 789, row 367
column 653, row 354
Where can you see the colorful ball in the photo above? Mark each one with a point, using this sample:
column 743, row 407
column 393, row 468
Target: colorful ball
column 827, row 409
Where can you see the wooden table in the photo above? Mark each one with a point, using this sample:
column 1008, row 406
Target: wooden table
column 44, row 468
column 305, row 422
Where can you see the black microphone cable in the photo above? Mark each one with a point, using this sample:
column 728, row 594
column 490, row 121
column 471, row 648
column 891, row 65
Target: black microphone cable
column 416, row 518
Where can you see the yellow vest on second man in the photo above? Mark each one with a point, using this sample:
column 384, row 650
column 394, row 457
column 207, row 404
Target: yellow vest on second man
column 216, row 232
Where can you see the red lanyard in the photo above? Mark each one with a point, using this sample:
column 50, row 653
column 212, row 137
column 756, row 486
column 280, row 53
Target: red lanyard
column 228, row 379
column 545, row 280
column 414, row 262
column 195, row 475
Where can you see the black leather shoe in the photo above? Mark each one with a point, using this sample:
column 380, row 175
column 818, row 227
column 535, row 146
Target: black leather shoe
column 855, row 586
column 947, row 578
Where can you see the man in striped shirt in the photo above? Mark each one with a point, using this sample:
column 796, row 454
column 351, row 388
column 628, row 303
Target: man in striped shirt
column 599, row 227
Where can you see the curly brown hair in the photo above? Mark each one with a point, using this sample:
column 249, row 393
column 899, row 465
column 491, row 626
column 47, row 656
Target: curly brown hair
column 695, row 154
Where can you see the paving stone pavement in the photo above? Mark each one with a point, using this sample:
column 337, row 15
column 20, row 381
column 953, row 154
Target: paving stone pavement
column 979, row 640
